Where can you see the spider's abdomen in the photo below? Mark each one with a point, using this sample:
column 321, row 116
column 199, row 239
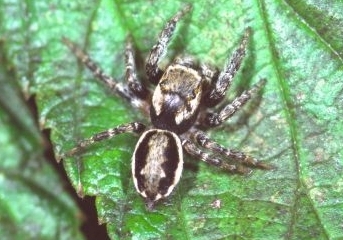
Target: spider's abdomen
column 176, row 99
column 157, row 164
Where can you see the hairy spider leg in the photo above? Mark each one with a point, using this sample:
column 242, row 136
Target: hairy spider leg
column 193, row 150
column 215, row 119
column 131, row 73
column 153, row 72
column 204, row 141
column 133, row 127
column 225, row 77
column 118, row 87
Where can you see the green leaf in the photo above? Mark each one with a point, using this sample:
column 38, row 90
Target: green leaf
column 33, row 202
column 296, row 126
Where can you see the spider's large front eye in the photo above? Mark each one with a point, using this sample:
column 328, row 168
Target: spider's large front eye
column 157, row 164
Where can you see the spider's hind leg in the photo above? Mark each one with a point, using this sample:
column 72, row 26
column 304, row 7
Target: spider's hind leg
column 192, row 149
column 133, row 127
column 204, row 141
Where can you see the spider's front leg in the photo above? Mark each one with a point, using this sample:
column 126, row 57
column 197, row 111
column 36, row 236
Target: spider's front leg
column 223, row 82
column 133, row 127
column 153, row 72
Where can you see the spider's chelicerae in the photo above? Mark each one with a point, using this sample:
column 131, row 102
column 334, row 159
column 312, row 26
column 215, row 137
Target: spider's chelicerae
column 179, row 110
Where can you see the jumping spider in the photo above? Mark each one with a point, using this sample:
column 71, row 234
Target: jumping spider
column 179, row 112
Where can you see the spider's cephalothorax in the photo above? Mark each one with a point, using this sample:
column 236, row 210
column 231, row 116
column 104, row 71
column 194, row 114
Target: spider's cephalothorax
column 179, row 110
column 176, row 98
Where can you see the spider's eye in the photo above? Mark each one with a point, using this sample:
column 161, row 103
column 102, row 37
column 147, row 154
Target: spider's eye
column 194, row 94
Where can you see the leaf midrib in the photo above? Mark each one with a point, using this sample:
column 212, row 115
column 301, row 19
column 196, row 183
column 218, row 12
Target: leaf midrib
column 290, row 115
